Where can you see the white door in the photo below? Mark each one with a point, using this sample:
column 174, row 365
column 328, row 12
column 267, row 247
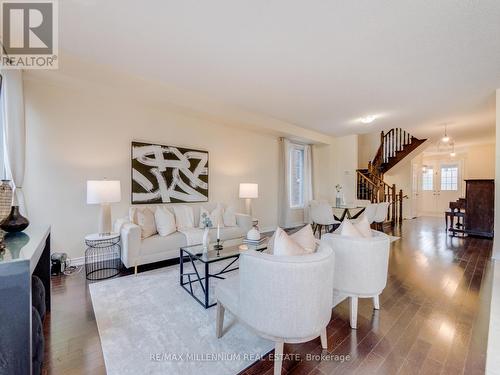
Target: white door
column 428, row 193
column 449, row 184
column 440, row 184
column 414, row 199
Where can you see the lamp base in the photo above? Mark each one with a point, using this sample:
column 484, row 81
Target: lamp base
column 105, row 219
column 248, row 206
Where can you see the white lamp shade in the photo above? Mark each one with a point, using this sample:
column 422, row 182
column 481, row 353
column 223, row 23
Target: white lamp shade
column 103, row 191
column 249, row 190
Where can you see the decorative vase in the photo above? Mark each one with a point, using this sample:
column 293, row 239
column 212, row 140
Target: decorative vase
column 5, row 199
column 15, row 222
column 206, row 240
column 253, row 234
column 338, row 199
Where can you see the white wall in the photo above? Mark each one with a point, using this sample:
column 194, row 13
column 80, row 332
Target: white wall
column 80, row 133
column 368, row 145
column 493, row 351
column 496, row 242
column 480, row 161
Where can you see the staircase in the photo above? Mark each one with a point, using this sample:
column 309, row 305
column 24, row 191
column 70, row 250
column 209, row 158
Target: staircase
column 395, row 145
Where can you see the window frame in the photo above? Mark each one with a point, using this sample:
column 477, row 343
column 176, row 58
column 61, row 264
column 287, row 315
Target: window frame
column 424, row 180
column 452, row 184
column 292, row 149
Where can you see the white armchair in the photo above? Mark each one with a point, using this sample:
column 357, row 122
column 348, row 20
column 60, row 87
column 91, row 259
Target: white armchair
column 361, row 266
column 287, row 299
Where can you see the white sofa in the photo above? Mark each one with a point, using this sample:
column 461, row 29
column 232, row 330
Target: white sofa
column 137, row 251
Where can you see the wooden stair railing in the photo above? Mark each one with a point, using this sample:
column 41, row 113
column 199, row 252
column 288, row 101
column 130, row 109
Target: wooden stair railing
column 395, row 145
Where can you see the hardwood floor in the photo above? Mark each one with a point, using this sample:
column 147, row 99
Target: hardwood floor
column 433, row 317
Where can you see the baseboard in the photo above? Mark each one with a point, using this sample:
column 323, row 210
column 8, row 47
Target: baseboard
column 79, row 261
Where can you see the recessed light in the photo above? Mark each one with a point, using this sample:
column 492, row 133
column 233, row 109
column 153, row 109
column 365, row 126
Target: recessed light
column 368, row 119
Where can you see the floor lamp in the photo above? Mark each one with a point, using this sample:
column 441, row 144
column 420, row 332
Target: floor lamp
column 104, row 192
column 249, row 192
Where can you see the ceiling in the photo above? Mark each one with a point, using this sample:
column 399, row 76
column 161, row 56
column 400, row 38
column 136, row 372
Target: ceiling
column 317, row 64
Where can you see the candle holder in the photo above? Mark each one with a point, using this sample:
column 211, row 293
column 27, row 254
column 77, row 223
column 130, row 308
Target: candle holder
column 218, row 247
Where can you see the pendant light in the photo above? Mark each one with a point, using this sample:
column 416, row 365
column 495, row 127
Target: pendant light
column 445, row 138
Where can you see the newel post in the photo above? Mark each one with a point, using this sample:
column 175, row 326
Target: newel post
column 393, row 194
column 400, row 207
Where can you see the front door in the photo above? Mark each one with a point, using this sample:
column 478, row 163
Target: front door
column 440, row 184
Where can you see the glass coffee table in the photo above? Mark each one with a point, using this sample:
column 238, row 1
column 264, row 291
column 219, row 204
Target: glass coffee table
column 200, row 263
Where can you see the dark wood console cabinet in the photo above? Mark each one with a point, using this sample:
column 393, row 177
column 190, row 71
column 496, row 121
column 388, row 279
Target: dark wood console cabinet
column 479, row 209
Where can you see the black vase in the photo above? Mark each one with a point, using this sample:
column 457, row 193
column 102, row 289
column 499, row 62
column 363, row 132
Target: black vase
column 15, row 222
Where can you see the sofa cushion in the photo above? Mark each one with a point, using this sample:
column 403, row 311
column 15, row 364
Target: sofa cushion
column 165, row 221
column 158, row 244
column 214, row 217
column 184, row 216
column 230, row 217
column 227, row 233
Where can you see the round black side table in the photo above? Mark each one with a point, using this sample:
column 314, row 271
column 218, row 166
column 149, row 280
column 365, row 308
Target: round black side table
column 102, row 256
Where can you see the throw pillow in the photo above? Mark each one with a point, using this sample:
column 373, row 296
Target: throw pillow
column 230, row 217
column 363, row 227
column 132, row 211
column 284, row 245
column 184, row 217
column 146, row 220
column 305, row 238
column 165, row 221
column 349, row 230
column 213, row 218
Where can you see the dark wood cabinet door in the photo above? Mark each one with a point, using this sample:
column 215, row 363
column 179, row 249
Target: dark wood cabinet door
column 480, row 195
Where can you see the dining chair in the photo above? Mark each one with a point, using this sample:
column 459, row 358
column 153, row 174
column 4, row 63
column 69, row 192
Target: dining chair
column 322, row 217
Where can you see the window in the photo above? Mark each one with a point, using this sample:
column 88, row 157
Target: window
column 296, row 176
column 428, row 179
column 449, row 177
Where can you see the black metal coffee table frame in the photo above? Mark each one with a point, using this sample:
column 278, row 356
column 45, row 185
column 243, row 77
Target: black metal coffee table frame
column 204, row 281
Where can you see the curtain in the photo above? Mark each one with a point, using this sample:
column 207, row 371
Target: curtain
column 286, row 216
column 14, row 132
column 284, row 212
column 308, row 182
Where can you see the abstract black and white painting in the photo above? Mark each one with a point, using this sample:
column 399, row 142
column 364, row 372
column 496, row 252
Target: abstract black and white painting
column 166, row 174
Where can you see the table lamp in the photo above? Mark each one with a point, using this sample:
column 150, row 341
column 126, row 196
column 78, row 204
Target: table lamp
column 104, row 192
column 249, row 192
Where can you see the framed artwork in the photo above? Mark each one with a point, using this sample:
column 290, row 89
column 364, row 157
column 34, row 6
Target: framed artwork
column 168, row 174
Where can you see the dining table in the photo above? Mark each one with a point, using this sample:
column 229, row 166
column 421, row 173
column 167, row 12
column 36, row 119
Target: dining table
column 349, row 212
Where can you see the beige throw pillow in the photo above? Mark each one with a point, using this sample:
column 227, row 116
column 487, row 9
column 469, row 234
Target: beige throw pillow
column 363, row 227
column 305, row 238
column 284, row 245
column 349, row 230
column 146, row 220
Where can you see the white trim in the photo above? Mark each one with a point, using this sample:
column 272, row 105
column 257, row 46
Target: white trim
column 80, row 261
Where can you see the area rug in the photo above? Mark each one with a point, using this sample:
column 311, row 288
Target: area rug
column 148, row 324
